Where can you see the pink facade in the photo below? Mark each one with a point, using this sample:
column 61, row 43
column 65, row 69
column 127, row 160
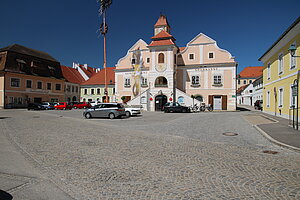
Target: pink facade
column 171, row 73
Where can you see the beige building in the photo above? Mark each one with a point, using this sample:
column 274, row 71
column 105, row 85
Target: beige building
column 152, row 74
column 28, row 75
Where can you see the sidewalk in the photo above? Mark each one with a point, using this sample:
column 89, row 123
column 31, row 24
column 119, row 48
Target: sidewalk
column 278, row 132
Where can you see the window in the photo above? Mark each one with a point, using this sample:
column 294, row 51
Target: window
column 280, row 99
column 11, row 100
column 144, row 81
column 127, row 82
column 39, row 85
column 20, row 100
column 280, row 63
column 250, row 81
column 114, row 90
column 161, row 82
column 191, row 56
column 210, row 55
column 269, row 71
column 28, row 83
column 245, row 81
column 58, row 86
column 217, row 79
column 92, row 91
column 239, row 81
column 292, row 98
column 250, row 91
column 148, row 60
column 195, row 80
column 73, row 89
column 133, row 61
column 49, row 86
column 98, row 90
column 76, row 89
column 293, row 59
column 161, row 58
column 85, row 91
column 15, row 82
column 268, row 99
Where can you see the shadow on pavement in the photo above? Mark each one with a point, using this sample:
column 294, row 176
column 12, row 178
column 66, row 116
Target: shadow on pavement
column 5, row 196
column 242, row 109
column 4, row 118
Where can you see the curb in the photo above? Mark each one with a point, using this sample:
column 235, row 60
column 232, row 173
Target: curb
column 275, row 141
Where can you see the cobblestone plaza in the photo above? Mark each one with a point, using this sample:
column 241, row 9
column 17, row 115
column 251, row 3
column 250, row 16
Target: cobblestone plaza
column 155, row 156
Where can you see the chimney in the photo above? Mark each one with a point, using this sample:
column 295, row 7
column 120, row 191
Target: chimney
column 85, row 66
column 75, row 65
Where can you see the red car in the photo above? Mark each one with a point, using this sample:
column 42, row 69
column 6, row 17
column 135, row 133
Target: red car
column 82, row 105
column 63, row 106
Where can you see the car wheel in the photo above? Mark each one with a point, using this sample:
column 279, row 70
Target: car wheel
column 88, row 115
column 111, row 115
column 184, row 110
column 127, row 114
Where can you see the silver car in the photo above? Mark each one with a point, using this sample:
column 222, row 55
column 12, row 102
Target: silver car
column 110, row 110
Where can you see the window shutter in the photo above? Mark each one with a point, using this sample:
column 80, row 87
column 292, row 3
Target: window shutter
column 224, row 102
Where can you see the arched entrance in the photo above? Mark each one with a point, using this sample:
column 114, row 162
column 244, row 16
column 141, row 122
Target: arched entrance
column 74, row 98
column 160, row 101
column 104, row 99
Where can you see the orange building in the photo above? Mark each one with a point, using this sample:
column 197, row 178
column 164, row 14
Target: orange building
column 28, row 75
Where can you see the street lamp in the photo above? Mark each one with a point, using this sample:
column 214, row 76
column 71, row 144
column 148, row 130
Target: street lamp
column 292, row 50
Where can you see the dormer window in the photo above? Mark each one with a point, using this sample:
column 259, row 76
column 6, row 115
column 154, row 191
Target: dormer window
column 191, row 56
column 133, row 61
column 211, row 55
column 161, row 58
column 21, row 64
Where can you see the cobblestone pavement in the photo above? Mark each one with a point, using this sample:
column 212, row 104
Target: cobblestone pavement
column 156, row 156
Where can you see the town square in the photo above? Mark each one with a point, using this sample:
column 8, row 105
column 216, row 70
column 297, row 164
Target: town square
column 110, row 99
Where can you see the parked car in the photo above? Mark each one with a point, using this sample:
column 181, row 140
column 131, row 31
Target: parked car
column 130, row 111
column 35, row 106
column 258, row 105
column 110, row 110
column 166, row 105
column 48, row 105
column 63, row 106
column 93, row 103
column 82, row 105
column 175, row 107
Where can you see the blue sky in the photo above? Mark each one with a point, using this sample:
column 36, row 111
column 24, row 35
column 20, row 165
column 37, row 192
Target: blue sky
column 67, row 29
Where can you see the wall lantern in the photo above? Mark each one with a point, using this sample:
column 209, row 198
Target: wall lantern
column 292, row 50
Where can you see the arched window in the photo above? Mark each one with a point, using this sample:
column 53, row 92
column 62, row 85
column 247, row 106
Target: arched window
column 161, row 82
column 161, row 58
column 181, row 99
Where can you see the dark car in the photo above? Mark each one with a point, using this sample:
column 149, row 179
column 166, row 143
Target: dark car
column 35, row 106
column 175, row 107
column 258, row 105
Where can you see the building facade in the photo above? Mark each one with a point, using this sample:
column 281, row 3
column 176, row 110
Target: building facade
column 248, row 75
column 73, row 79
column 28, row 75
column 281, row 72
column 152, row 74
column 94, row 88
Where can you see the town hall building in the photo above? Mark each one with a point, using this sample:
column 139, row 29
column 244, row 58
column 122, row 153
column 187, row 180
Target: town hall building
column 151, row 75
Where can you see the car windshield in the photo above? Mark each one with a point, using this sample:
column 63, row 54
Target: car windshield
column 45, row 104
column 120, row 106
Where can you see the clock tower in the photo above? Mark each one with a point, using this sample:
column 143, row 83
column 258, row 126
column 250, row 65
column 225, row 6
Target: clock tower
column 161, row 24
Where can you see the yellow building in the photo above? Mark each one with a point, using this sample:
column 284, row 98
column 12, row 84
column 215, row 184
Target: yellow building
column 281, row 73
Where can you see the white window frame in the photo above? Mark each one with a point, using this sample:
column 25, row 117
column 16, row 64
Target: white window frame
column 15, row 86
column 148, row 60
column 193, row 56
column 144, row 81
column 221, row 77
column 280, row 97
column 197, row 80
column 293, row 59
column 280, row 63
column 127, row 82
column 212, row 53
column 269, row 71
column 292, row 98
column 268, row 98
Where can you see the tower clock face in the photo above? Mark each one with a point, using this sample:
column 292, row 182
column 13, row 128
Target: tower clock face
column 160, row 67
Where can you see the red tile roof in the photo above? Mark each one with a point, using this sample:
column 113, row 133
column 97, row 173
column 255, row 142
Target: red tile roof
column 251, row 72
column 181, row 49
column 162, row 34
column 161, row 43
column 99, row 78
column 162, row 21
column 71, row 75
column 90, row 71
column 241, row 89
